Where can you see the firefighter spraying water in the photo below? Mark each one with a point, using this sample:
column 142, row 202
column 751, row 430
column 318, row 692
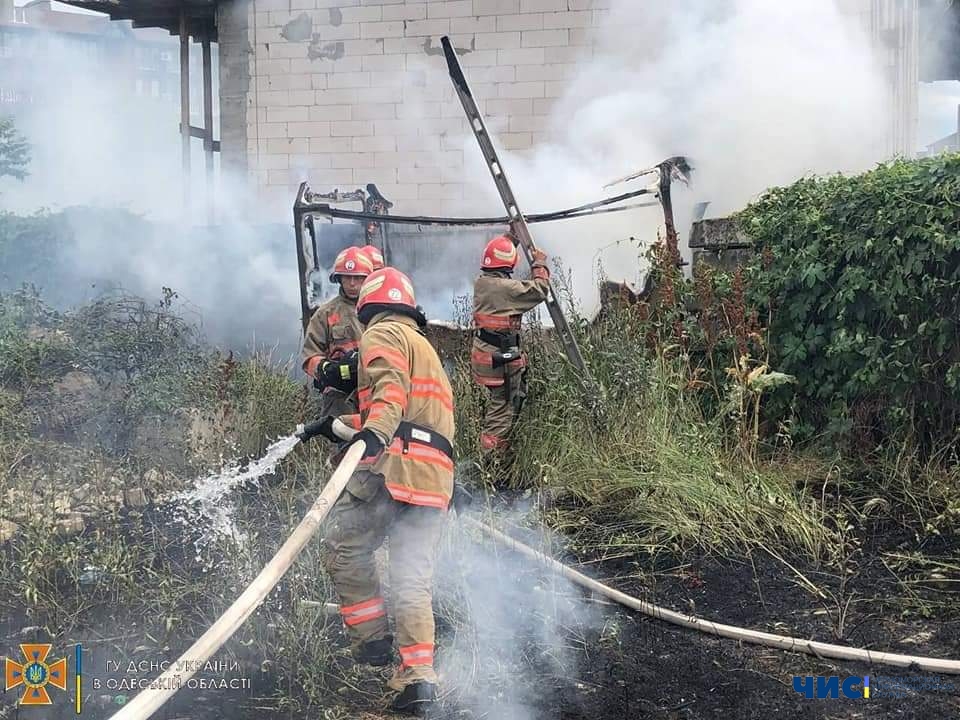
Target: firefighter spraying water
column 401, row 491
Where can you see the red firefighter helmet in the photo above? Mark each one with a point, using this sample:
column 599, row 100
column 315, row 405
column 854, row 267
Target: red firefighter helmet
column 375, row 256
column 499, row 254
column 387, row 286
column 352, row 261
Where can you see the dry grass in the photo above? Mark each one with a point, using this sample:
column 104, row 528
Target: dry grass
column 660, row 476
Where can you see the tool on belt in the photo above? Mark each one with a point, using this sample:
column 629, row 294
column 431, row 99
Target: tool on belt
column 507, row 344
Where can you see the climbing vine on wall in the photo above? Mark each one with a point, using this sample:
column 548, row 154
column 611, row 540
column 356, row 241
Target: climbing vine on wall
column 860, row 277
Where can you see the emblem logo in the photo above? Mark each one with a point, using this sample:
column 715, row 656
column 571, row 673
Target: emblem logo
column 35, row 674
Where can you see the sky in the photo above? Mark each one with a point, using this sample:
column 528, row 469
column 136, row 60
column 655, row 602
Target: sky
column 938, row 111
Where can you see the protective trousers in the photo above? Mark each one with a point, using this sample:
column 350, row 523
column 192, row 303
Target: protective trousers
column 357, row 525
column 503, row 405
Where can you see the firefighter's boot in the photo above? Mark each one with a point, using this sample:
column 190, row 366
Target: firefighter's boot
column 415, row 698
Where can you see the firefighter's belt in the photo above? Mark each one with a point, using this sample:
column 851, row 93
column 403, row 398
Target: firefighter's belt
column 410, row 432
column 504, row 341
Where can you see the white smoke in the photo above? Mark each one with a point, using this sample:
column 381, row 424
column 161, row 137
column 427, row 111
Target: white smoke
column 110, row 145
column 95, row 140
column 755, row 93
column 508, row 626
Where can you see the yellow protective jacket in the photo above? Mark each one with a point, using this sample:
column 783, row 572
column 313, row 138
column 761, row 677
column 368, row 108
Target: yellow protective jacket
column 333, row 331
column 401, row 380
column 498, row 306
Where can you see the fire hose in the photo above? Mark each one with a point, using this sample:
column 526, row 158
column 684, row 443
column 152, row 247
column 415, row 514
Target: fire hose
column 783, row 642
column 151, row 699
column 163, row 688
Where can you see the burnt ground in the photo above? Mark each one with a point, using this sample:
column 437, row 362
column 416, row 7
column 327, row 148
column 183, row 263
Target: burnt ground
column 518, row 644
column 616, row 664
column 656, row 670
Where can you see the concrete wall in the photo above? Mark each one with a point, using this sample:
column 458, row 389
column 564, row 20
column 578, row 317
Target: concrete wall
column 346, row 92
column 235, row 52
column 893, row 26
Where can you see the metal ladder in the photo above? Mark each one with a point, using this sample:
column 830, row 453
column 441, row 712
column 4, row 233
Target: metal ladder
column 518, row 223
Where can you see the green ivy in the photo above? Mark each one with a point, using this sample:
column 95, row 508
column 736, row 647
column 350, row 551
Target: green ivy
column 861, row 276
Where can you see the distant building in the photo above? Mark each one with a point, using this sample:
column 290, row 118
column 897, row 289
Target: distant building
column 37, row 42
column 949, row 143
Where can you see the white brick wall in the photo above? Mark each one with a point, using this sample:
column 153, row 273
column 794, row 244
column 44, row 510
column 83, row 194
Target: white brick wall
column 345, row 92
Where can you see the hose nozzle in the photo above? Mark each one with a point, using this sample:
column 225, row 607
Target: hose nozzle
column 330, row 427
column 307, row 432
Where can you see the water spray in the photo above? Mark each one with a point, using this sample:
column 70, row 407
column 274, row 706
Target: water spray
column 151, row 699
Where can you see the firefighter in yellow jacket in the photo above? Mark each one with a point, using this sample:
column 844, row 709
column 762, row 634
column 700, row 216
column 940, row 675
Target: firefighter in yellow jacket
column 401, row 491
column 498, row 364
column 333, row 336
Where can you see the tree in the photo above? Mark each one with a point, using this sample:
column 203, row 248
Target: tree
column 14, row 150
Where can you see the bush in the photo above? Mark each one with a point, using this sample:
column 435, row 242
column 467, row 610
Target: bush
column 860, row 278
column 33, row 348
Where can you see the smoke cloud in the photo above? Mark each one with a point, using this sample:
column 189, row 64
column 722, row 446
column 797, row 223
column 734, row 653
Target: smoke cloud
column 111, row 159
column 511, row 629
column 754, row 93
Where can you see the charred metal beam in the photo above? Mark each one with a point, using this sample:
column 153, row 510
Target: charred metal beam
column 185, row 106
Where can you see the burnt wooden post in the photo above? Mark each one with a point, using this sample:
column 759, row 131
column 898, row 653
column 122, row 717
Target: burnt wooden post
column 208, row 125
column 673, row 245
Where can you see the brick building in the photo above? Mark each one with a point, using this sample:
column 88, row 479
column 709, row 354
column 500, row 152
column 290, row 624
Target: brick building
column 345, row 92
column 351, row 91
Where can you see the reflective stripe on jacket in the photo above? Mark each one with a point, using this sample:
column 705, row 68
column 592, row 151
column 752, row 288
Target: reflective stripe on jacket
column 401, row 379
column 498, row 305
column 333, row 331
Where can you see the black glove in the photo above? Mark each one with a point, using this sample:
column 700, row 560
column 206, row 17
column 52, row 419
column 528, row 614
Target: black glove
column 340, row 374
column 372, row 443
column 324, row 427
column 351, row 360
column 461, row 499
column 319, row 376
